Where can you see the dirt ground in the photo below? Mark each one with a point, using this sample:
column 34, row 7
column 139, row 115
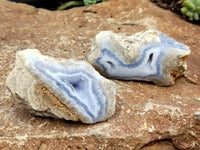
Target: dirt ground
column 146, row 115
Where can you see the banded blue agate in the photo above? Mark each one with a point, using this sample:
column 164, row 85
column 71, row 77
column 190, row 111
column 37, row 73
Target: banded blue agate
column 74, row 83
column 147, row 56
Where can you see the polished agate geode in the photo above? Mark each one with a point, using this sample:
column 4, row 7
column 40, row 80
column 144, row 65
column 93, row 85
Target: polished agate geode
column 147, row 56
column 61, row 88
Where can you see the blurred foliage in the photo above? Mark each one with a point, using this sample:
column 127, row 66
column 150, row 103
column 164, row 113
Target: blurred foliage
column 78, row 3
column 89, row 2
column 191, row 8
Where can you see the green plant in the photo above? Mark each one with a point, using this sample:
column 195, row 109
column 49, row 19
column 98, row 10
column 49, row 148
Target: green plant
column 78, row 3
column 191, row 8
column 89, row 2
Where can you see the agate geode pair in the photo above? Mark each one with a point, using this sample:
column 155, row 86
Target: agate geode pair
column 74, row 90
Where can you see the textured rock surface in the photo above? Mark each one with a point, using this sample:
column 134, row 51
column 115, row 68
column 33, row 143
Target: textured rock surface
column 146, row 56
column 61, row 88
column 145, row 114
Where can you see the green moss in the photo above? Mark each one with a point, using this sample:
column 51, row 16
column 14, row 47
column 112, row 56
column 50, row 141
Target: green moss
column 191, row 8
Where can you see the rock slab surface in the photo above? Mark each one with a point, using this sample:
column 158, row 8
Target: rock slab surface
column 146, row 115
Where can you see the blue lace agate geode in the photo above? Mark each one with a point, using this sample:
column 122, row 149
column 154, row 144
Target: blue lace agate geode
column 75, row 84
column 148, row 56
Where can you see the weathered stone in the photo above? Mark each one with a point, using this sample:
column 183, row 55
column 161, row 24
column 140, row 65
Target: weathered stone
column 61, row 88
column 159, row 146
